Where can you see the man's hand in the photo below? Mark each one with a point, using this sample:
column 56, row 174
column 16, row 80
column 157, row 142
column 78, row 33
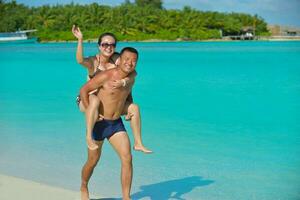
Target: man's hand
column 76, row 32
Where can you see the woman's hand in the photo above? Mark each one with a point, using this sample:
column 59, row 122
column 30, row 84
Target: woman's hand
column 117, row 84
column 76, row 32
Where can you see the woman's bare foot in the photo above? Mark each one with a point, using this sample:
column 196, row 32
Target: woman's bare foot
column 91, row 144
column 84, row 193
column 141, row 148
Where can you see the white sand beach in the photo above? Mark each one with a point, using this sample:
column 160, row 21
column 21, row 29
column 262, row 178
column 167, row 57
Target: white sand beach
column 16, row 188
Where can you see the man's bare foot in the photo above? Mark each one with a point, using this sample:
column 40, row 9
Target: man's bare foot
column 142, row 149
column 84, row 193
column 91, row 144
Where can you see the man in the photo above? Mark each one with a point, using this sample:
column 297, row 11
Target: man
column 111, row 127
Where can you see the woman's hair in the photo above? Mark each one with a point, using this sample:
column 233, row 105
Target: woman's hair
column 114, row 58
column 106, row 34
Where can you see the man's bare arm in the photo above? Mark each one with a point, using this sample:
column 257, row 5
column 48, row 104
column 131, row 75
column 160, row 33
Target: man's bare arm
column 91, row 85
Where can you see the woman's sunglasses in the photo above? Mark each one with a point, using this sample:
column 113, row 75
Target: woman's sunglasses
column 106, row 45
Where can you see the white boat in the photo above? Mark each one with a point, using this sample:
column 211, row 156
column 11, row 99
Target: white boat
column 18, row 36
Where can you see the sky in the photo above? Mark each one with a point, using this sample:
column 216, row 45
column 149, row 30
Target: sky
column 280, row 12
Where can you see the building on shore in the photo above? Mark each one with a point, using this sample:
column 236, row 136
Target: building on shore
column 284, row 31
column 246, row 33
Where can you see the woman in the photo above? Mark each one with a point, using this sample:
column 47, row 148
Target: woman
column 101, row 62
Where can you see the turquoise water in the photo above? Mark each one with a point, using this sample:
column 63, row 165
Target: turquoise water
column 222, row 118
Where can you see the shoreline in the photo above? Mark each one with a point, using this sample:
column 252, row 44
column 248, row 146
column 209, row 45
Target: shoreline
column 18, row 188
column 157, row 40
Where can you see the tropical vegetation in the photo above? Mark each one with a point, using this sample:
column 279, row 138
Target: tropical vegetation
column 138, row 20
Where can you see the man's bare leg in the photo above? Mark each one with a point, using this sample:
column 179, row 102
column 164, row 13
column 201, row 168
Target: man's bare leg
column 121, row 144
column 133, row 114
column 91, row 115
column 88, row 168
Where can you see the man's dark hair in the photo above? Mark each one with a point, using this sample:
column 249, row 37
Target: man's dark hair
column 106, row 34
column 130, row 49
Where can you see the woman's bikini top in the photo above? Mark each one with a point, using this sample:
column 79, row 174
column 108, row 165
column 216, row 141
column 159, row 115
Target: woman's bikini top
column 97, row 69
column 101, row 68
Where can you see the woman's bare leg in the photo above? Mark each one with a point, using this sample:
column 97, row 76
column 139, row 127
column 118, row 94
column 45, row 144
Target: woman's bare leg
column 91, row 115
column 133, row 114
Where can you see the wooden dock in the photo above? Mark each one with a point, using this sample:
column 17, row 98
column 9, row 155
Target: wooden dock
column 239, row 37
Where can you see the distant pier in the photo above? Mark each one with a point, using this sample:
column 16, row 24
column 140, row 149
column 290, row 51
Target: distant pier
column 239, row 37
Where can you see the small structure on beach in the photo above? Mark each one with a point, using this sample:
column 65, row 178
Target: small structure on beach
column 246, row 33
column 288, row 31
column 291, row 32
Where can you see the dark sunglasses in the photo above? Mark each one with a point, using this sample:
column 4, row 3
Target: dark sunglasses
column 106, row 45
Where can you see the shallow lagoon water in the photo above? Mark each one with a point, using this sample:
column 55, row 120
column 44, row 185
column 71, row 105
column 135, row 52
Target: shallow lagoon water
column 222, row 118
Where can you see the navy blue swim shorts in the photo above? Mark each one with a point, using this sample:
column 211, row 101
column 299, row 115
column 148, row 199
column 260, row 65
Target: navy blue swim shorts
column 107, row 128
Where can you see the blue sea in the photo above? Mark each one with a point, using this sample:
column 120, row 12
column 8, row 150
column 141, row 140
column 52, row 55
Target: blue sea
column 223, row 119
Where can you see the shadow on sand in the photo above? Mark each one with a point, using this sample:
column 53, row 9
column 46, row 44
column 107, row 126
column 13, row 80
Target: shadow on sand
column 173, row 189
